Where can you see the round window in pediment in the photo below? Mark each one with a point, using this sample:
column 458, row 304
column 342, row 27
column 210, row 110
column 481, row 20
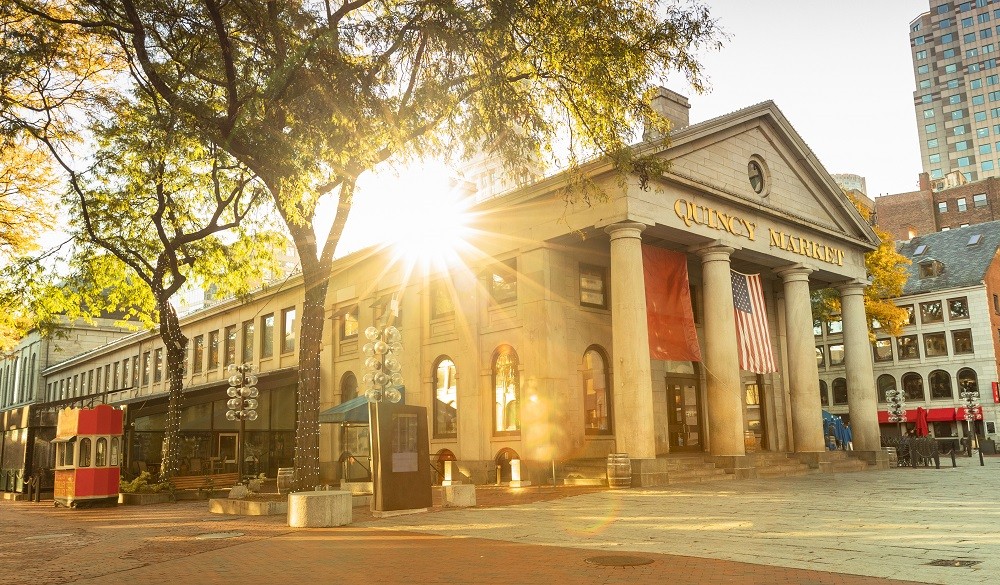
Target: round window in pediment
column 756, row 175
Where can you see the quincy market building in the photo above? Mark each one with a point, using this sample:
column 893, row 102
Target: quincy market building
column 535, row 346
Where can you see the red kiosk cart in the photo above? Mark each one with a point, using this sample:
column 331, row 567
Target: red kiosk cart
column 88, row 451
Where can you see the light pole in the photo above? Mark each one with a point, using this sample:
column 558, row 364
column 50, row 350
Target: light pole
column 971, row 398
column 242, row 404
column 897, row 405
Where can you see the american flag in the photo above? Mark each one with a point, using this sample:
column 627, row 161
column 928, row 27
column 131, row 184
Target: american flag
column 752, row 334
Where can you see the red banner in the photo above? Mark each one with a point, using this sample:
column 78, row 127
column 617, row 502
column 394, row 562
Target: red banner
column 669, row 317
column 996, row 392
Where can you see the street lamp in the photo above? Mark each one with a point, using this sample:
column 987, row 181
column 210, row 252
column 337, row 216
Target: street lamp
column 383, row 380
column 971, row 398
column 242, row 403
column 897, row 405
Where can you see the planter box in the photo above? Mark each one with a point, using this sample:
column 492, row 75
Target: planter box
column 247, row 507
column 143, row 499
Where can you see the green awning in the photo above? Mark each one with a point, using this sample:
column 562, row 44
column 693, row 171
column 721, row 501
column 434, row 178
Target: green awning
column 354, row 411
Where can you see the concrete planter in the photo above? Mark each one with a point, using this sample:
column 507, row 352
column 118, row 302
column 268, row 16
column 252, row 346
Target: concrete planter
column 247, row 507
column 144, row 499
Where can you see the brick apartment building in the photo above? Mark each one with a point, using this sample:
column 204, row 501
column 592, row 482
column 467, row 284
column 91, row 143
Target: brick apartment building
column 939, row 205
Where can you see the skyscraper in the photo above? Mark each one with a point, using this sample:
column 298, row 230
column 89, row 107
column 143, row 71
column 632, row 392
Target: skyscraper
column 957, row 98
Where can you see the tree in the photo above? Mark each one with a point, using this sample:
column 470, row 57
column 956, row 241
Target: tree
column 887, row 270
column 154, row 206
column 310, row 95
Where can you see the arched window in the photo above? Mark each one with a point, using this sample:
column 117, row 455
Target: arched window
column 445, row 399
column 348, row 387
column 824, row 398
column 885, row 382
column 101, row 453
column 502, row 460
column 114, row 451
column 967, row 380
column 84, row 453
column 506, row 392
column 840, row 391
column 596, row 392
column 940, row 383
column 913, row 387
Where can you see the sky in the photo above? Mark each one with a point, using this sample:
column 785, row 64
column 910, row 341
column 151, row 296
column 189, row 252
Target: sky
column 841, row 72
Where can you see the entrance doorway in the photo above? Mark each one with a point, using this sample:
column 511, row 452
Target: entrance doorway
column 227, row 450
column 684, row 414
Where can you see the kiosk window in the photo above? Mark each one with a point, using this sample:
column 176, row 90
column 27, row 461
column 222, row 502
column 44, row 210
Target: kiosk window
column 101, row 453
column 84, row 453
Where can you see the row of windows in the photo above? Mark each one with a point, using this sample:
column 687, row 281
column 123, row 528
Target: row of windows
column 596, row 384
column 907, row 347
column 103, row 452
column 940, row 382
column 930, row 312
column 978, row 200
column 17, row 380
column 126, row 373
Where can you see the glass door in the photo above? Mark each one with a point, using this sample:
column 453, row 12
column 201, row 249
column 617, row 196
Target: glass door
column 684, row 415
column 227, row 451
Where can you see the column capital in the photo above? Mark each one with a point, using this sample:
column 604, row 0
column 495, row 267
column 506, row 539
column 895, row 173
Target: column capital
column 625, row 229
column 713, row 251
column 851, row 287
column 794, row 272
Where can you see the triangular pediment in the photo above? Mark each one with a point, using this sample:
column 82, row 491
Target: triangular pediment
column 715, row 156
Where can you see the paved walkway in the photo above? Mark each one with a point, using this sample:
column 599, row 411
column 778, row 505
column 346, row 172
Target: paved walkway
column 858, row 528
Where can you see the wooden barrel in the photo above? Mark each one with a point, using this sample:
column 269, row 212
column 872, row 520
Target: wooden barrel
column 619, row 471
column 286, row 476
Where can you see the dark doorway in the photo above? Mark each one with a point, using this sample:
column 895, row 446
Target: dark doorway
column 684, row 414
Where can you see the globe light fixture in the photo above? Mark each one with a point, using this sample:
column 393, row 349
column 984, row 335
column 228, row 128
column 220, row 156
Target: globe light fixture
column 971, row 398
column 242, row 403
column 897, row 405
column 383, row 380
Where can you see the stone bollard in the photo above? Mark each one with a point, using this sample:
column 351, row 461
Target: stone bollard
column 458, row 496
column 319, row 509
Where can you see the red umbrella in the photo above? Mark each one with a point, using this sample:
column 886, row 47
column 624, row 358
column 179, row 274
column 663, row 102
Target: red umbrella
column 921, row 422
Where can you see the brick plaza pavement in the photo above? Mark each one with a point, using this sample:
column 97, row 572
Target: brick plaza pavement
column 845, row 529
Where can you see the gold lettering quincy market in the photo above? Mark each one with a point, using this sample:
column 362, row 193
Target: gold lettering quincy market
column 808, row 248
column 694, row 214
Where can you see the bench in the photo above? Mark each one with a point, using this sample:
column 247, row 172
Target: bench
column 193, row 482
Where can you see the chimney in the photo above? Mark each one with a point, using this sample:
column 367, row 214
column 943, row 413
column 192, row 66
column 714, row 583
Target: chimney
column 672, row 106
column 925, row 182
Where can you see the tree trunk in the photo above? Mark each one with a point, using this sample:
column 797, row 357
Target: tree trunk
column 316, row 282
column 176, row 346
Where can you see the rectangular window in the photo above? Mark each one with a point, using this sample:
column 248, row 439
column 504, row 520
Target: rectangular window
column 959, row 130
column 107, row 377
column 442, row 303
column 968, row 21
column 135, row 371
column 979, row 117
column 985, row 148
column 199, row 354
column 918, row 40
column 503, row 285
column 834, row 326
column 985, row 132
column 987, row 165
column 992, row 79
column 972, row 68
column 961, row 204
column 969, row 38
column 923, row 69
column 961, row 145
column 837, row 354
column 932, row 143
column 230, row 346
column 920, row 55
column 911, row 317
column 349, row 325
column 964, row 161
column 976, row 83
column 930, row 128
column 146, row 363
column 942, row 207
column 983, row 17
column 925, row 84
column 979, row 200
column 952, row 84
column 592, row 279
column 817, row 328
column 978, row 100
column 942, row 8
column 158, row 365
column 970, row 53
column 820, row 356
column 907, row 348
column 247, row 341
column 962, row 341
column 213, row 349
column 986, row 33
column 267, row 336
column 986, row 49
column 930, row 312
column 929, row 113
column 934, row 158
column 288, row 330
column 935, row 345
column 882, row 350
column 125, row 372
column 117, row 376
